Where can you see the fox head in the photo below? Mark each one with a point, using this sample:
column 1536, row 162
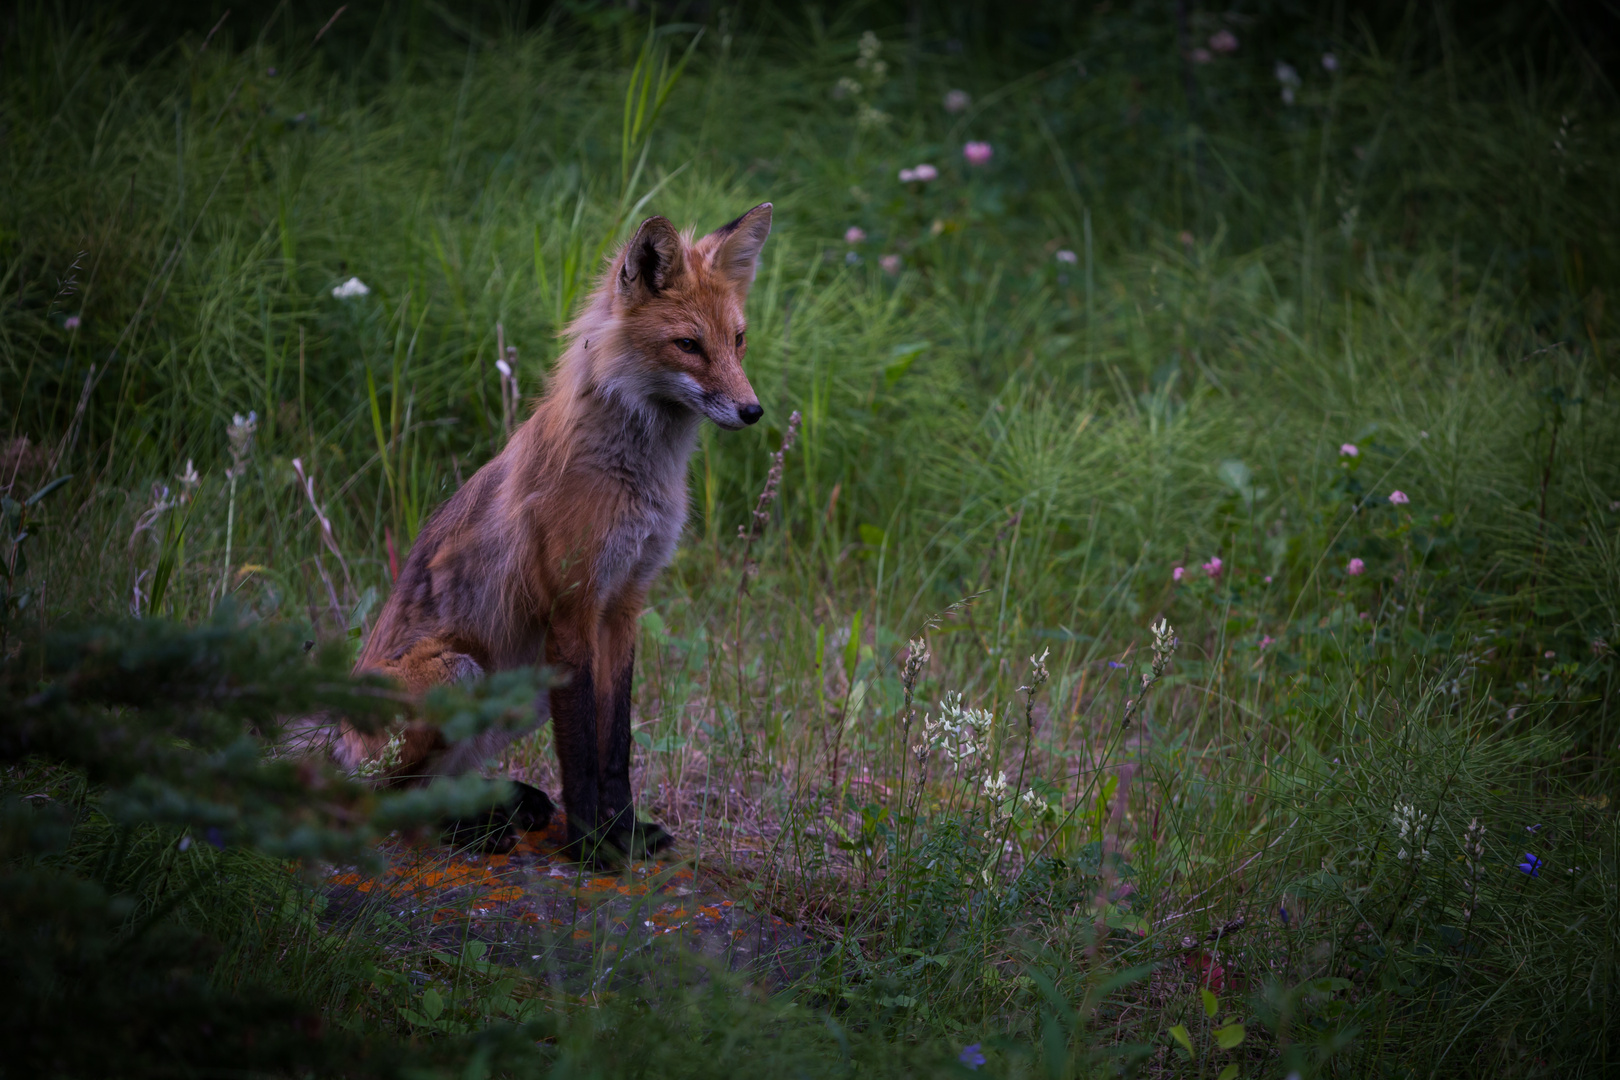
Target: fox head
column 677, row 304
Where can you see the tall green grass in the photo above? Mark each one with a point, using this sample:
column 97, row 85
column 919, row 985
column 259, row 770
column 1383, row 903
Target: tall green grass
column 1135, row 340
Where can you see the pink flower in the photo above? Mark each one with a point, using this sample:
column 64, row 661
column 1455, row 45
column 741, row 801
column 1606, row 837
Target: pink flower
column 1268, row 579
column 1202, row 56
column 920, row 174
column 1349, row 449
column 854, row 234
column 1399, row 498
column 1223, row 41
column 1355, row 567
column 70, row 323
column 1213, row 567
column 1187, row 239
column 1067, row 256
column 1330, row 62
column 1267, row 640
column 890, row 264
column 978, row 153
column 957, row 101
column 1550, row 655
column 1178, row 573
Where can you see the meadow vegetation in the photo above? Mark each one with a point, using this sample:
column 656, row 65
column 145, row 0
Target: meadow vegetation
column 1180, row 639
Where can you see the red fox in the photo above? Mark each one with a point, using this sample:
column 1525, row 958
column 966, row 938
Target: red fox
column 546, row 554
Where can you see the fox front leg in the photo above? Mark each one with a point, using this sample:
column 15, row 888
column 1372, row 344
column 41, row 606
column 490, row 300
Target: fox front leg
column 573, row 725
column 631, row 837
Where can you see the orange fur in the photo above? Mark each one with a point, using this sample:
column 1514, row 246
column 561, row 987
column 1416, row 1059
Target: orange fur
column 547, row 552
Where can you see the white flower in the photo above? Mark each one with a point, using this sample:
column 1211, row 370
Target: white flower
column 1290, row 81
column 504, row 368
column 996, row 790
column 957, row 101
column 1067, row 256
column 1410, row 823
column 353, row 287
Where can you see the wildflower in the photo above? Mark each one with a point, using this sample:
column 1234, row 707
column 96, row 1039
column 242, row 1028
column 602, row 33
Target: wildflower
column 353, row 287
column 1178, row 573
column 977, row 153
column 1349, row 449
column 957, row 101
column 1289, row 78
column 890, row 264
column 854, row 234
column 1411, row 823
column 1201, row 56
column 851, row 258
column 1473, row 846
column 971, row 1056
column 1223, row 41
column 1399, row 498
column 1355, row 567
column 1037, row 806
column 1283, row 911
column 216, row 837
column 188, row 481
column 1213, row 567
column 920, row 174
column 1531, row 865
column 240, row 434
column 1266, row 639
column 270, row 71
column 1187, row 239
column 1067, row 256
column 1268, row 579
column 1330, row 62
column 1115, row 664
column 70, row 323
column 846, row 87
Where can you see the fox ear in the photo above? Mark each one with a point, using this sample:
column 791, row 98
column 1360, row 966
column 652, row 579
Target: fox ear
column 652, row 260
column 736, row 256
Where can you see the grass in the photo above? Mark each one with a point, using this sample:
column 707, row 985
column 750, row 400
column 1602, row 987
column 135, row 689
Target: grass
column 1136, row 340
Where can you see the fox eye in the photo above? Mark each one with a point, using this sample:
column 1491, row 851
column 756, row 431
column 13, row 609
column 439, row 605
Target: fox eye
column 686, row 344
column 740, row 336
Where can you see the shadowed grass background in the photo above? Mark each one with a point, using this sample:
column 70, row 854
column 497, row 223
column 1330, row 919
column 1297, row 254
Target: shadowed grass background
column 1135, row 340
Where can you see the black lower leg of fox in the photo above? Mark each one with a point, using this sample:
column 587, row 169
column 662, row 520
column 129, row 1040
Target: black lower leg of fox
column 626, row 834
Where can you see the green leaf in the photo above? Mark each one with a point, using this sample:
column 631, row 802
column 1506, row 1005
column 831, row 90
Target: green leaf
column 432, row 1003
column 47, row 489
column 1179, row 1033
column 903, row 357
column 1228, row 1073
column 852, row 647
column 1211, row 1002
column 1229, row 1036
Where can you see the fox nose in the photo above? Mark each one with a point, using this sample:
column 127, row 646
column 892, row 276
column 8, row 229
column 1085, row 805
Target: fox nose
column 750, row 412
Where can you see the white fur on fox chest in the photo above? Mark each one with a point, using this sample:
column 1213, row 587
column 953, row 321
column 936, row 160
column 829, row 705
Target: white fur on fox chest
column 638, row 546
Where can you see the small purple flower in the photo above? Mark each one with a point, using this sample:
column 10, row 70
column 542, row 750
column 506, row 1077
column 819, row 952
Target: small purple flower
column 1178, row 573
column 1284, row 913
column 1399, row 498
column 1067, row 256
column 70, row 323
column 1330, row 62
column 978, row 153
column 957, row 101
column 890, row 264
column 919, row 174
column 1355, row 567
column 854, row 234
column 1213, row 567
column 1115, row 664
column 1349, row 449
column 1267, row 639
column 215, row 836
column 1531, row 865
column 1201, row 56
column 971, row 1056
column 1268, row 579
column 1223, row 41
